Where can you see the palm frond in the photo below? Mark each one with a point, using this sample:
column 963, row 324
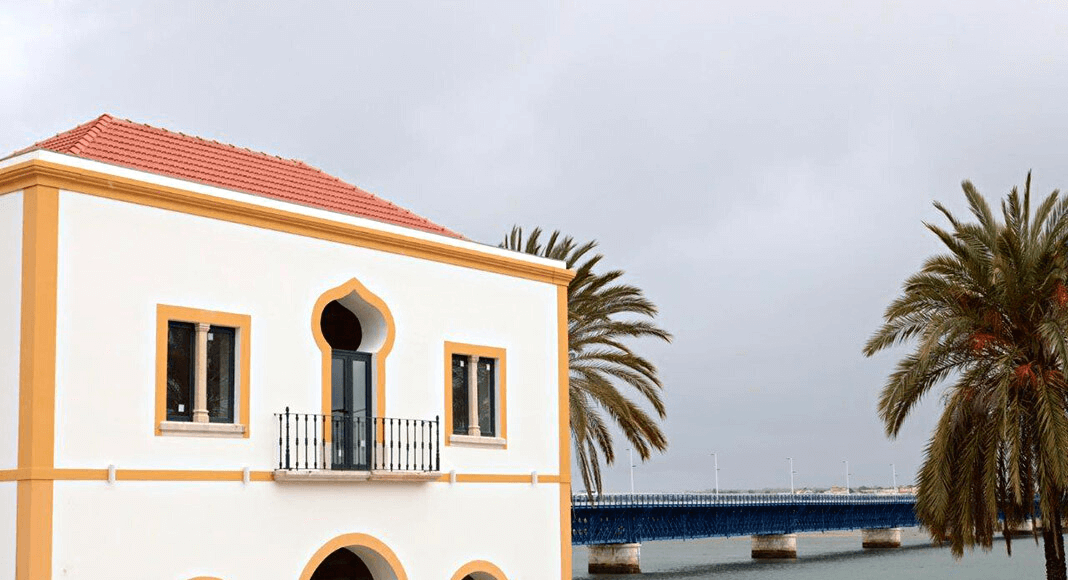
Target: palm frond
column 988, row 319
column 603, row 313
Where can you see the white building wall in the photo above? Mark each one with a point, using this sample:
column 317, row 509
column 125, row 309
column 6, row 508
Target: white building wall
column 267, row 531
column 8, row 506
column 117, row 261
column 10, row 322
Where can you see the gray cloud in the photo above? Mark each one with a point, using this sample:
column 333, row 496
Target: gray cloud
column 761, row 169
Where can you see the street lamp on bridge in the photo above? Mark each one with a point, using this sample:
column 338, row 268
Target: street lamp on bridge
column 846, row 461
column 715, row 466
column 792, row 472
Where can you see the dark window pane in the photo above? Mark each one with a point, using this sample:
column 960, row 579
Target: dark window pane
column 338, row 425
column 487, row 414
column 221, row 362
column 337, row 385
column 361, row 397
column 180, row 361
column 459, row 394
column 361, row 434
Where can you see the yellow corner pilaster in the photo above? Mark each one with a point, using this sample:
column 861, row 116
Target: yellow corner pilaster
column 37, row 378
column 564, row 373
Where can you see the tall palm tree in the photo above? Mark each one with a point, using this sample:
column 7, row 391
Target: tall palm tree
column 602, row 314
column 989, row 318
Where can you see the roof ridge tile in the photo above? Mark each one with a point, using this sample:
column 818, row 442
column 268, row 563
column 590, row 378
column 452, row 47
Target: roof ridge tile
column 197, row 137
column 91, row 134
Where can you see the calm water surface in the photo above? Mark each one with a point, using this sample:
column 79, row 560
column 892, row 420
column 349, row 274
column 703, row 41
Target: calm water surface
column 830, row 556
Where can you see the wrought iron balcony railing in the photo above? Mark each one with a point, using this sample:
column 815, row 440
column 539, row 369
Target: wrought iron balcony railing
column 347, row 442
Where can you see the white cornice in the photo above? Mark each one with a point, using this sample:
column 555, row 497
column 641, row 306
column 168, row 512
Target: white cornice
column 222, row 193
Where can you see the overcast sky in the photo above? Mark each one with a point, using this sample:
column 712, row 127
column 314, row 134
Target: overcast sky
column 760, row 169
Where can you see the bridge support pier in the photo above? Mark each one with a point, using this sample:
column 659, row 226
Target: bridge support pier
column 615, row 559
column 774, row 546
column 875, row 538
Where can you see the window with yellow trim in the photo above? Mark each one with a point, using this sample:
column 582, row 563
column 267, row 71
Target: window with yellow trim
column 202, row 372
column 475, row 398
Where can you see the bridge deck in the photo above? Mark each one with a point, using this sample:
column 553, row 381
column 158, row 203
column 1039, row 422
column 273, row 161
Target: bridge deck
column 613, row 519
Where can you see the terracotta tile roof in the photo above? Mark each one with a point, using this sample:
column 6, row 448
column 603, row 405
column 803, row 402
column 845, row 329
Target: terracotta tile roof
column 123, row 142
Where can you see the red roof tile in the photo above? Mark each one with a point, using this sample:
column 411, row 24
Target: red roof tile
column 146, row 148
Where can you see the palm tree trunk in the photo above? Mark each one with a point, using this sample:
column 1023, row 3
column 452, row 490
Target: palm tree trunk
column 1053, row 541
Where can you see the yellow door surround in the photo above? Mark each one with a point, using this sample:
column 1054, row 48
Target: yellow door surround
column 353, row 286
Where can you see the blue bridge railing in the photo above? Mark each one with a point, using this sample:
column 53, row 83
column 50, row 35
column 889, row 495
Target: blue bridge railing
column 625, row 518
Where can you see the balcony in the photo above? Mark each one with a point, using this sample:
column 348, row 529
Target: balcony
column 346, row 447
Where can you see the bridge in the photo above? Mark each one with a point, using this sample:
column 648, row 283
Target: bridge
column 615, row 525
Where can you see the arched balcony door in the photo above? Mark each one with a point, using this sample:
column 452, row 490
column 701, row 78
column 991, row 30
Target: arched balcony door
column 350, row 378
column 351, row 410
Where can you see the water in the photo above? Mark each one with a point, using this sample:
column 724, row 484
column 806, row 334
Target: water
column 829, row 556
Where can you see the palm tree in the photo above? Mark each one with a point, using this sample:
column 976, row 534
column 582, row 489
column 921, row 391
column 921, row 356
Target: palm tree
column 990, row 319
column 602, row 314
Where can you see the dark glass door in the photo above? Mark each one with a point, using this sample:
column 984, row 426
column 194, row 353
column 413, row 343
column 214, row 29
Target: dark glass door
column 351, row 424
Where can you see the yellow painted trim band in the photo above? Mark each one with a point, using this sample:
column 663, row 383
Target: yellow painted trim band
column 481, row 566
column 498, row 478
column 243, row 324
column 67, row 474
column 37, row 172
column 50, row 474
column 37, row 380
column 501, row 355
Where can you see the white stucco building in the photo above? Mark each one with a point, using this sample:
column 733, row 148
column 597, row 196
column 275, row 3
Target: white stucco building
column 221, row 364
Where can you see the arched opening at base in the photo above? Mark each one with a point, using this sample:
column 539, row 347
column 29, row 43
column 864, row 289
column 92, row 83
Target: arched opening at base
column 354, row 557
column 342, row 565
column 479, row 570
